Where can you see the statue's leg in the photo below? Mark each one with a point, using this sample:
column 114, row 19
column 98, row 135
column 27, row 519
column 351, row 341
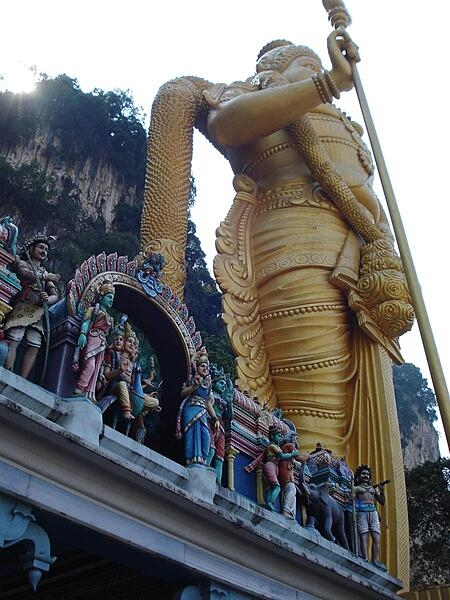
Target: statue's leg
column 205, row 442
column 288, row 500
column 375, row 545
column 28, row 361
column 120, row 389
column 218, row 466
column 327, row 524
column 211, row 454
column 273, row 494
column 364, row 539
column 33, row 338
column 12, row 353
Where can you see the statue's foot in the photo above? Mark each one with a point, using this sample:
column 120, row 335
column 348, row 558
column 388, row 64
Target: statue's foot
column 270, row 506
column 288, row 515
column 379, row 565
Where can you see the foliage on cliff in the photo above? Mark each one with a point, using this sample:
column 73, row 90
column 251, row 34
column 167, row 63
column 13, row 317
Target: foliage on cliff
column 416, row 408
column 204, row 302
column 414, row 398
column 86, row 124
column 428, row 489
column 98, row 127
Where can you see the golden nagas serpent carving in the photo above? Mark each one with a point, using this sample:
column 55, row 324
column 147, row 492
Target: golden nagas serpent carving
column 178, row 107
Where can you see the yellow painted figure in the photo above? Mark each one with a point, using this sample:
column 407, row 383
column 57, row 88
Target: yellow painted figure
column 25, row 322
column 315, row 296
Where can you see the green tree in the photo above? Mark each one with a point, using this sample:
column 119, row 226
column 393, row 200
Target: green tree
column 428, row 491
column 26, row 190
column 203, row 300
column 414, row 399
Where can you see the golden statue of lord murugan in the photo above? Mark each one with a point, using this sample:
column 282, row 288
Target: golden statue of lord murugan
column 315, row 295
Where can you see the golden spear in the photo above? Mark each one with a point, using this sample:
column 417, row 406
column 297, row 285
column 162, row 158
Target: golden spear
column 339, row 17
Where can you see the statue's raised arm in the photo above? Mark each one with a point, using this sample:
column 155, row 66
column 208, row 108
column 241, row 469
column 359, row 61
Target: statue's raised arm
column 301, row 86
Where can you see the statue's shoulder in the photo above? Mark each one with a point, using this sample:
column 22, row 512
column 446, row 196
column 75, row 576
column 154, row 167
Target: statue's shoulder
column 221, row 92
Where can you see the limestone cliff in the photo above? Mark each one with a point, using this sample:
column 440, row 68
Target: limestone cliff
column 421, row 446
column 98, row 185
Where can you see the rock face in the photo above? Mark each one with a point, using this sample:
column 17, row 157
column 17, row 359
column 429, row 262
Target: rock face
column 98, row 186
column 421, row 446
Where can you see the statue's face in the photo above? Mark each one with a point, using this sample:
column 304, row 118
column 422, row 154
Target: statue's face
column 277, row 437
column 130, row 345
column 364, row 476
column 118, row 343
column 40, row 251
column 107, row 300
column 203, row 369
column 220, row 386
column 300, row 68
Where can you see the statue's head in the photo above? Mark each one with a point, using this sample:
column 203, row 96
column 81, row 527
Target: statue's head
column 202, row 362
column 130, row 341
column 277, row 56
column 38, row 246
column 275, row 434
column 105, row 293
column 363, row 474
column 218, row 378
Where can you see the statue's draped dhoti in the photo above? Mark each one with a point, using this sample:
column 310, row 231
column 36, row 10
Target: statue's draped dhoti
column 298, row 237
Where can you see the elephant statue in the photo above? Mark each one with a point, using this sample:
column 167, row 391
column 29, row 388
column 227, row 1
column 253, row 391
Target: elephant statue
column 325, row 514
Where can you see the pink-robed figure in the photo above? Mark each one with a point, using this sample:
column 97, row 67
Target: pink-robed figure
column 93, row 340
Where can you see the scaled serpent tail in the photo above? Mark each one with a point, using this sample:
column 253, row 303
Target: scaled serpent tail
column 178, row 107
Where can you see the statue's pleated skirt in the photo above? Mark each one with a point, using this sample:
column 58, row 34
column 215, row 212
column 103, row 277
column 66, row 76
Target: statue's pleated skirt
column 306, row 322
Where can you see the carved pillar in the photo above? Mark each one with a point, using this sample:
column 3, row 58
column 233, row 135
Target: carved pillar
column 230, row 457
column 260, row 486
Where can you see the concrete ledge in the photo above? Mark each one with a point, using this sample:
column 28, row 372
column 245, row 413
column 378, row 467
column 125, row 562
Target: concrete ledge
column 121, row 488
column 29, row 395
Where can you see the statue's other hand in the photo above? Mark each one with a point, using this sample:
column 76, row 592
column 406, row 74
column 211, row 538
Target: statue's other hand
column 53, row 277
column 342, row 51
column 81, row 341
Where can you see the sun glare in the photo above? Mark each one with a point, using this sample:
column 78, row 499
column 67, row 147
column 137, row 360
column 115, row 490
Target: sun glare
column 17, row 77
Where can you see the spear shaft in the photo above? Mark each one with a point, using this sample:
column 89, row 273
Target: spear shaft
column 340, row 18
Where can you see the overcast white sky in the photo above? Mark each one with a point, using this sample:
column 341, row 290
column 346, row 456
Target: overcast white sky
column 139, row 45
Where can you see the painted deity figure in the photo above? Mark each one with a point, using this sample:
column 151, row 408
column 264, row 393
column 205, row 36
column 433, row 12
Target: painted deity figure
column 25, row 321
column 286, row 474
column 270, row 459
column 121, row 374
column 195, row 412
column 119, row 369
column 222, row 395
column 367, row 518
column 92, row 342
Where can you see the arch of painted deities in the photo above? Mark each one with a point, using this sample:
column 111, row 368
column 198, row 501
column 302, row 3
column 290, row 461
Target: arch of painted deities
column 151, row 306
